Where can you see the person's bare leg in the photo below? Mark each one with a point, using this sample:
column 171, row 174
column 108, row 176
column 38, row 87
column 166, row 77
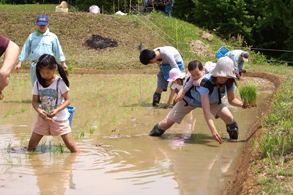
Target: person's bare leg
column 165, row 124
column 69, row 142
column 231, row 124
column 34, row 141
column 226, row 115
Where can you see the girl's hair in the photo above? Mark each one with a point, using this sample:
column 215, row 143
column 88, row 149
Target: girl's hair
column 229, row 82
column 180, row 81
column 49, row 61
column 195, row 64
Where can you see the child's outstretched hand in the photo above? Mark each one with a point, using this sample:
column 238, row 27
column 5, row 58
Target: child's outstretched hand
column 166, row 106
column 217, row 137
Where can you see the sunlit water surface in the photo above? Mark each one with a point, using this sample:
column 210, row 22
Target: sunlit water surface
column 118, row 156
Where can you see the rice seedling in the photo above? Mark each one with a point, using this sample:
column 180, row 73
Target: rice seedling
column 18, row 158
column 248, row 95
column 6, row 114
column 93, row 129
column 9, row 162
column 22, row 110
column 21, row 139
column 82, row 133
column 9, row 145
column 59, row 149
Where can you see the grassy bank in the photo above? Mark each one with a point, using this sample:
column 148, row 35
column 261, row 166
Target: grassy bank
column 272, row 167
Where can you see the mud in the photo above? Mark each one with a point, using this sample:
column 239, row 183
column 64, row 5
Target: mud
column 99, row 42
column 117, row 105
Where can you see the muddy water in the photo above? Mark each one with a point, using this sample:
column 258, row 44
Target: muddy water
column 118, row 157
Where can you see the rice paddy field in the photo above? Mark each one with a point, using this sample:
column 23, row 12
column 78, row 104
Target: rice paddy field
column 110, row 125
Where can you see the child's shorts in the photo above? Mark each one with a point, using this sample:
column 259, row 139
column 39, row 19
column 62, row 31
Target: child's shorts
column 45, row 126
column 181, row 109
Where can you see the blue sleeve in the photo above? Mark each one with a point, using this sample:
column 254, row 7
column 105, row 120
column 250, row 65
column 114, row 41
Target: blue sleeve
column 57, row 50
column 232, row 88
column 26, row 49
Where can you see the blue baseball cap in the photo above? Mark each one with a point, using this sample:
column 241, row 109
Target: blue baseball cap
column 42, row 20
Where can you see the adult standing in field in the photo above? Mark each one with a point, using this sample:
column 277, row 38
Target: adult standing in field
column 166, row 57
column 238, row 57
column 38, row 43
column 208, row 96
column 11, row 51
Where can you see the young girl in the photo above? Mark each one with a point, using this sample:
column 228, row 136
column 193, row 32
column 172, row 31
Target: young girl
column 53, row 92
column 197, row 71
column 178, row 79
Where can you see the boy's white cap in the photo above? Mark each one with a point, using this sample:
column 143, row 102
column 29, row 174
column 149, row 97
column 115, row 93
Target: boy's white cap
column 175, row 74
column 245, row 56
column 224, row 68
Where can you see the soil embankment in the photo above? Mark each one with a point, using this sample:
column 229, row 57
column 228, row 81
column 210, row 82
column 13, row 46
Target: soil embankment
column 244, row 180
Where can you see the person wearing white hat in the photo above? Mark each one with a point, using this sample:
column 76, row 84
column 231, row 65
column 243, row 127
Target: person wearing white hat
column 219, row 82
column 239, row 57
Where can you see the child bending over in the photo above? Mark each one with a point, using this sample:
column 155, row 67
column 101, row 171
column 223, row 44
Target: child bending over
column 178, row 79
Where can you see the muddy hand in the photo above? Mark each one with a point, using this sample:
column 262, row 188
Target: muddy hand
column 217, row 137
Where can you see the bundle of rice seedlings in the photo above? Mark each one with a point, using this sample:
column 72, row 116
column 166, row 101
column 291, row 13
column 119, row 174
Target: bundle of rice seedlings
column 248, row 95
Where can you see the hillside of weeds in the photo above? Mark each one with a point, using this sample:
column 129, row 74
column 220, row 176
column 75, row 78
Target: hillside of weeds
column 270, row 172
column 75, row 28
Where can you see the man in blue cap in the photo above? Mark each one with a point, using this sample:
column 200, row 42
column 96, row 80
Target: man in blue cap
column 38, row 43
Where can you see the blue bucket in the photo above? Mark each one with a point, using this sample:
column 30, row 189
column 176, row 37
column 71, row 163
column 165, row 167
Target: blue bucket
column 71, row 110
column 221, row 52
column 166, row 69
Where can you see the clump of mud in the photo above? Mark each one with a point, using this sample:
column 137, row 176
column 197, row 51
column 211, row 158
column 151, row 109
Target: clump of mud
column 99, row 42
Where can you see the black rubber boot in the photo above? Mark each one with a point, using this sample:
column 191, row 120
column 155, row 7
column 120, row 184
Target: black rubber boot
column 156, row 99
column 232, row 129
column 156, row 131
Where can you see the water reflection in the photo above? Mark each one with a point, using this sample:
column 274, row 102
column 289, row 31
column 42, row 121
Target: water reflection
column 54, row 174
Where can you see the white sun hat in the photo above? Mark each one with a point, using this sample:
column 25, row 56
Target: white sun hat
column 224, row 68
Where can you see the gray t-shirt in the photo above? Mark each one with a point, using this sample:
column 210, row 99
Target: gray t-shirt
column 170, row 55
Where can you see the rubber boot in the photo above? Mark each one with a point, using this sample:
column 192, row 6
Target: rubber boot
column 232, row 129
column 156, row 131
column 156, row 99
